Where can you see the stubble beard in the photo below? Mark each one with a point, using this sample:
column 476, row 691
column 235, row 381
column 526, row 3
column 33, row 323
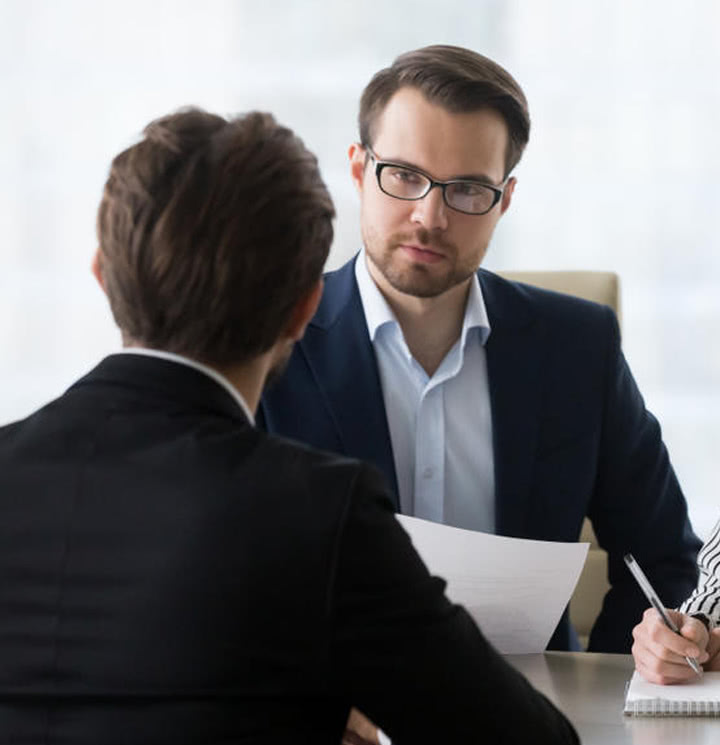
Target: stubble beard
column 415, row 278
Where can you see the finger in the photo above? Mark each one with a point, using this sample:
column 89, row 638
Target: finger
column 713, row 663
column 695, row 631
column 664, row 673
column 658, row 635
column 663, row 677
column 661, row 666
column 668, row 656
column 713, row 650
column 676, row 653
column 714, row 642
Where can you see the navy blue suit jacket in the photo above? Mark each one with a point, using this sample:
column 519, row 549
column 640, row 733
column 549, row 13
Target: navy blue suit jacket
column 571, row 434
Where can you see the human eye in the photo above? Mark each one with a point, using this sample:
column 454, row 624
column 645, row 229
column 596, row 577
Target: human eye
column 404, row 175
column 470, row 196
column 402, row 182
column 469, row 188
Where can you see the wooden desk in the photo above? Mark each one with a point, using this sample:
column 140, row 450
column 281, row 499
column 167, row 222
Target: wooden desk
column 590, row 690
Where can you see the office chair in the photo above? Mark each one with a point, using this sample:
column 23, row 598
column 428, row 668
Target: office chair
column 601, row 287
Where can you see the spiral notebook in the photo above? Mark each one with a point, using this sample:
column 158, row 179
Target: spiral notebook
column 700, row 698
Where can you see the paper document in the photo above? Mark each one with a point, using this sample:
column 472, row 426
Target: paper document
column 515, row 589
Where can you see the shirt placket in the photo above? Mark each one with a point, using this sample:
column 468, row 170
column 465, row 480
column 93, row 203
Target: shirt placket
column 430, row 456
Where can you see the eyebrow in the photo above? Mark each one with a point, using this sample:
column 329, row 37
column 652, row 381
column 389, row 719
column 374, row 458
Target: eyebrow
column 481, row 178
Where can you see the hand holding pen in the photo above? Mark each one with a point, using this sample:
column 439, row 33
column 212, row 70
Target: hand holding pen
column 668, row 645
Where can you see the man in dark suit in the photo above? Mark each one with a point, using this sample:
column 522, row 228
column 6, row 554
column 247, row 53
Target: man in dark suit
column 487, row 404
column 168, row 572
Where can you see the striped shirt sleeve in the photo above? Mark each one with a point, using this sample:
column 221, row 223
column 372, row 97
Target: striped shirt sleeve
column 705, row 598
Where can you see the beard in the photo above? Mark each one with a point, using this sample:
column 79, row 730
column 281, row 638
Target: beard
column 416, row 278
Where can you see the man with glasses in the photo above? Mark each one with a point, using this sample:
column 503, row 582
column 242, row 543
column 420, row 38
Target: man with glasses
column 487, row 404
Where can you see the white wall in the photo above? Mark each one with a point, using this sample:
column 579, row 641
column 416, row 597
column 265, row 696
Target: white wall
column 622, row 171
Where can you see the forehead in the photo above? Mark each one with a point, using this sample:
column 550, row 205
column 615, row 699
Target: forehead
column 444, row 143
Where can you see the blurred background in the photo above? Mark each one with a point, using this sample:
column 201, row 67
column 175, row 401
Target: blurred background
column 622, row 172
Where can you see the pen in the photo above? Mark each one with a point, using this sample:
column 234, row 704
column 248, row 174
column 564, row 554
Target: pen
column 652, row 596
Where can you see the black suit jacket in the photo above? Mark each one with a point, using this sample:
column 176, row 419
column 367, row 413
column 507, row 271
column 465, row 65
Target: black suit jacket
column 170, row 574
column 571, row 434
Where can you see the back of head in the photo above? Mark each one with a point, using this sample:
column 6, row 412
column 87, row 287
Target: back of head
column 210, row 232
column 457, row 79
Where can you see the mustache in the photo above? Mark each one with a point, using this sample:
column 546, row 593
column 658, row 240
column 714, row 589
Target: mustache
column 425, row 239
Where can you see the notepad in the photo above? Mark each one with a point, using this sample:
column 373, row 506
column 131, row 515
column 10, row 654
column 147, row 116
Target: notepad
column 700, row 698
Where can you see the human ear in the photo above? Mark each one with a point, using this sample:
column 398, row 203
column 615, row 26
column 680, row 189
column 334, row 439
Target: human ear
column 358, row 159
column 507, row 194
column 96, row 269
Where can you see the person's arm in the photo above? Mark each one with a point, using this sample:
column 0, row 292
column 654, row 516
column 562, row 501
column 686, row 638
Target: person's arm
column 411, row 661
column 637, row 507
column 705, row 599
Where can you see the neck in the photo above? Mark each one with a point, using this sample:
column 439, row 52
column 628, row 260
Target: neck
column 248, row 378
column 430, row 325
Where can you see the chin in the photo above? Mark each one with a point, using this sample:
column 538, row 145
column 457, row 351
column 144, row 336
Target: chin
column 420, row 283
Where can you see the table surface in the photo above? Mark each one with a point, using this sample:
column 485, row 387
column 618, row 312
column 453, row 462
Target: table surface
column 590, row 690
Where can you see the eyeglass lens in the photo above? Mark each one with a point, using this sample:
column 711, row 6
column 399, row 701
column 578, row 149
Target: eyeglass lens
column 466, row 196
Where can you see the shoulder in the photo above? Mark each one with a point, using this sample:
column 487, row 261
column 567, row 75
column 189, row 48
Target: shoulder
column 316, row 475
column 518, row 303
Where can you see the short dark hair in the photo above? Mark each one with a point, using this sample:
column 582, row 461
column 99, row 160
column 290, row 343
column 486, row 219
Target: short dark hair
column 457, row 79
column 211, row 231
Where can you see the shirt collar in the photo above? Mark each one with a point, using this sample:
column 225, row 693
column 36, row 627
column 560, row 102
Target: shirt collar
column 476, row 316
column 209, row 371
column 378, row 312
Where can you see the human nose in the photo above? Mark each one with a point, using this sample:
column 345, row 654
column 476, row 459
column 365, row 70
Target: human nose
column 431, row 210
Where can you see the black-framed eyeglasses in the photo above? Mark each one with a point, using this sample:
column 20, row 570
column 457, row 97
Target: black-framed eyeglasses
column 404, row 182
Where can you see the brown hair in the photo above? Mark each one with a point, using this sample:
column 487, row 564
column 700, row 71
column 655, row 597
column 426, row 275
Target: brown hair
column 457, row 79
column 211, row 231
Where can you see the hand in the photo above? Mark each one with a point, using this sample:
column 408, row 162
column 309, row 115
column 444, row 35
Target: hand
column 660, row 653
column 713, row 650
column 359, row 730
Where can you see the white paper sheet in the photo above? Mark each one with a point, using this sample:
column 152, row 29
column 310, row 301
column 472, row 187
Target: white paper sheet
column 515, row 589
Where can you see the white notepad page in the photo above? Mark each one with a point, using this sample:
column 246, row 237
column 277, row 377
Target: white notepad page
column 700, row 697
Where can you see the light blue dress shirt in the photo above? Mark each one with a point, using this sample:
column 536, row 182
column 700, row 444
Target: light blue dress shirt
column 440, row 426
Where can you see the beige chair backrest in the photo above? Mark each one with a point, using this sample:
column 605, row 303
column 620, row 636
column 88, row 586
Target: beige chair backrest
column 601, row 287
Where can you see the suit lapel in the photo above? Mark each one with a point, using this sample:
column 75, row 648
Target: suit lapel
column 514, row 358
column 339, row 352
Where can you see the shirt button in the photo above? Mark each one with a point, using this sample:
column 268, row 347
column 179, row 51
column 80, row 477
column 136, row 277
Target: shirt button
column 428, row 472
